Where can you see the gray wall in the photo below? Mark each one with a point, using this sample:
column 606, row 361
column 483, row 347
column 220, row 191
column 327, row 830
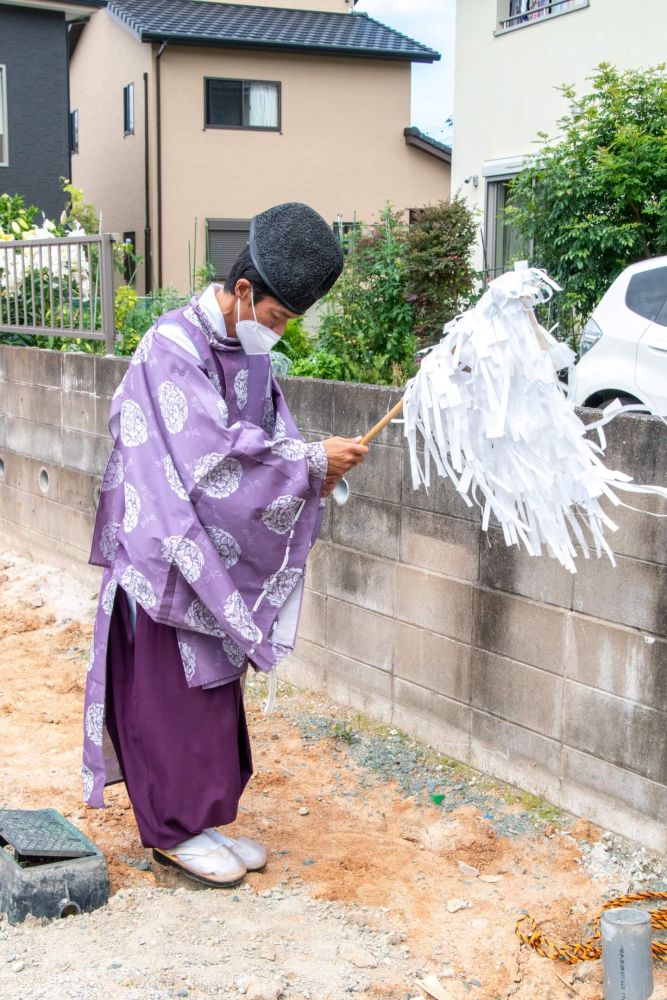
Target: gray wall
column 413, row 615
column 33, row 47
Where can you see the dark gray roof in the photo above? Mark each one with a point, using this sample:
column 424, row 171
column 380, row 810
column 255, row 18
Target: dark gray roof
column 198, row 22
column 415, row 137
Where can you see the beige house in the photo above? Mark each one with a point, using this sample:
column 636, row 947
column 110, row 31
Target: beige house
column 506, row 94
column 195, row 115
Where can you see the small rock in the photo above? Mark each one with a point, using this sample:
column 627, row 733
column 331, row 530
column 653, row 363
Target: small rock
column 263, row 989
column 303, row 811
column 268, row 954
column 357, row 956
column 36, row 602
column 454, row 905
column 468, row 869
column 18, row 966
column 490, row 878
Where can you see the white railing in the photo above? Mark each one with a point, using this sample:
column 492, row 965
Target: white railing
column 520, row 12
column 58, row 288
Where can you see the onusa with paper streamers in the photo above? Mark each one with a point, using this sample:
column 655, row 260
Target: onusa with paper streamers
column 495, row 420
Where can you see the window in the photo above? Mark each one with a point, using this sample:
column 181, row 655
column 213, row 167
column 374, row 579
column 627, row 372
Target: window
column 242, row 104
column 226, row 238
column 128, row 109
column 74, row 131
column 515, row 13
column 129, row 257
column 503, row 244
column 647, row 295
column 4, row 148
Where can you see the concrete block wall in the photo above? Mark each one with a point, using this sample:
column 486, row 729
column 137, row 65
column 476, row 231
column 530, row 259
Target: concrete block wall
column 412, row 614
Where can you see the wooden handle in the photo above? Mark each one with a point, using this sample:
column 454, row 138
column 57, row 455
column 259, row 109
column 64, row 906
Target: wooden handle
column 387, row 418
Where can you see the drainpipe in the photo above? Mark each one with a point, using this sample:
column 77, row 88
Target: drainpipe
column 148, row 252
column 159, row 162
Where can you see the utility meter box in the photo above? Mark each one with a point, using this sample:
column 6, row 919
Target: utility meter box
column 47, row 867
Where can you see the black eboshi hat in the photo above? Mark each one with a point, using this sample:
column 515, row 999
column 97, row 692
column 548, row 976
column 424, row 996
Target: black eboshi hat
column 296, row 253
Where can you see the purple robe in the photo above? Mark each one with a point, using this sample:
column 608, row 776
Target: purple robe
column 209, row 505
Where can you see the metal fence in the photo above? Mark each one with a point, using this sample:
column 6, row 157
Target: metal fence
column 58, row 288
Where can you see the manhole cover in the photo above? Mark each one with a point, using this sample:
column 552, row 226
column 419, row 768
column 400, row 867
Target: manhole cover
column 42, row 833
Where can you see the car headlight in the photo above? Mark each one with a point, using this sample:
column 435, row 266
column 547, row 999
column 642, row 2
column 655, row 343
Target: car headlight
column 589, row 336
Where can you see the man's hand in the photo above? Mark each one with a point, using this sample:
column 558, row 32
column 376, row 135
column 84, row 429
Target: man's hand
column 342, row 455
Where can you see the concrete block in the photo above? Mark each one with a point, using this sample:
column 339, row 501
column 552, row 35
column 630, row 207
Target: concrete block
column 305, row 667
column 637, row 445
column 360, row 579
column 313, row 622
column 101, row 423
column 367, row 525
column 79, row 411
column 520, row 629
column 32, row 403
column 311, row 404
column 33, row 365
column 77, row 530
column 77, row 489
column 626, row 803
column 618, row 731
column 436, row 720
column 9, row 504
column 379, row 476
column 318, row 567
column 432, row 661
column 441, row 498
column 518, row 693
column 3, row 424
column 78, row 372
column 447, row 545
column 635, row 593
column 514, row 754
column 360, row 634
column 39, row 441
column 361, row 687
column 109, row 374
column 513, row 570
column 358, row 407
column 641, row 535
column 86, row 452
column 434, row 603
column 40, row 514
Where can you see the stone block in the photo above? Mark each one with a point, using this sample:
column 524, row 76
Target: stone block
column 109, row 374
column 360, row 634
column 621, row 732
column 520, row 629
column 39, row 441
column 305, row 667
column 513, row 570
column 436, row 720
column 313, row 622
column 367, row 525
column 447, row 545
column 379, row 476
column 635, row 593
column 101, row 423
column 637, row 445
column 434, row 603
column 441, row 498
column 77, row 529
column 359, row 407
column 85, row 452
column 78, row 372
column 358, row 685
column 77, row 489
column 529, row 697
column 32, row 403
column 33, row 365
column 318, row 567
column 39, row 514
column 311, row 404
column 79, row 411
column 641, row 535
column 432, row 661
column 514, row 754
column 360, row 579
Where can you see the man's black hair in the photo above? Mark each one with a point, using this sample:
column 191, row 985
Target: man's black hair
column 243, row 267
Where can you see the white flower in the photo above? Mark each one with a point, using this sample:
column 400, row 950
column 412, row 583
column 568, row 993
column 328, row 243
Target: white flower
column 191, row 317
column 94, row 723
column 225, row 544
column 109, row 540
column 173, row 407
column 241, row 387
column 109, row 596
column 223, row 412
column 87, row 779
column 143, row 347
column 201, row 619
column 186, row 554
column 173, row 478
column 235, row 654
column 137, row 586
column 113, row 474
column 213, row 376
column 281, row 514
column 133, row 426
column 290, row 448
column 280, row 585
column 280, row 430
column 218, row 476
column 318, row 462
column 279, row 652
column 132, row 508
column 238, row 615
column 188, row 658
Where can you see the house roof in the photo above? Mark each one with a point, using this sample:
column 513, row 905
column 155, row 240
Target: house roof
column 419, row 139
column 72, row 9
column 193, row 22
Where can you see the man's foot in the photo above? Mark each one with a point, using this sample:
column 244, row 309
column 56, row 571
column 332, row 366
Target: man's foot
column 252, row 854
column 204, row 860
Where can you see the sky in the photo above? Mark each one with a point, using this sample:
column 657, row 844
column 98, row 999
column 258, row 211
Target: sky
column 430, row 22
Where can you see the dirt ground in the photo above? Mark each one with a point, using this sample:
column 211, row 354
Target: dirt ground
column 373, row 883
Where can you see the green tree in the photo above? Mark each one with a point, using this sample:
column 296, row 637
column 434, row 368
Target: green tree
column 595, row 198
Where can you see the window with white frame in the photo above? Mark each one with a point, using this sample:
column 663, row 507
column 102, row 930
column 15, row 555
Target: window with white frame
column 128, row 109
column 4, row 148
column 253, row 104
column 517, row 13
column 503, row 244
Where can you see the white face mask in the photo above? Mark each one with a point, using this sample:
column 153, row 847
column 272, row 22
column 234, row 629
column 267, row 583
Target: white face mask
column 253, row 336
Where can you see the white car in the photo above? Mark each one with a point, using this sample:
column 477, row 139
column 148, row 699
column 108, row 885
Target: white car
column 623, row 348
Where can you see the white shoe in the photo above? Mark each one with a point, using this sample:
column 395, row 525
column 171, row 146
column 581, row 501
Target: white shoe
column 204, row 860
column 252, row 854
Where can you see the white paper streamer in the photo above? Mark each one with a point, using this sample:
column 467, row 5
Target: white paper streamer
column 494, row 419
